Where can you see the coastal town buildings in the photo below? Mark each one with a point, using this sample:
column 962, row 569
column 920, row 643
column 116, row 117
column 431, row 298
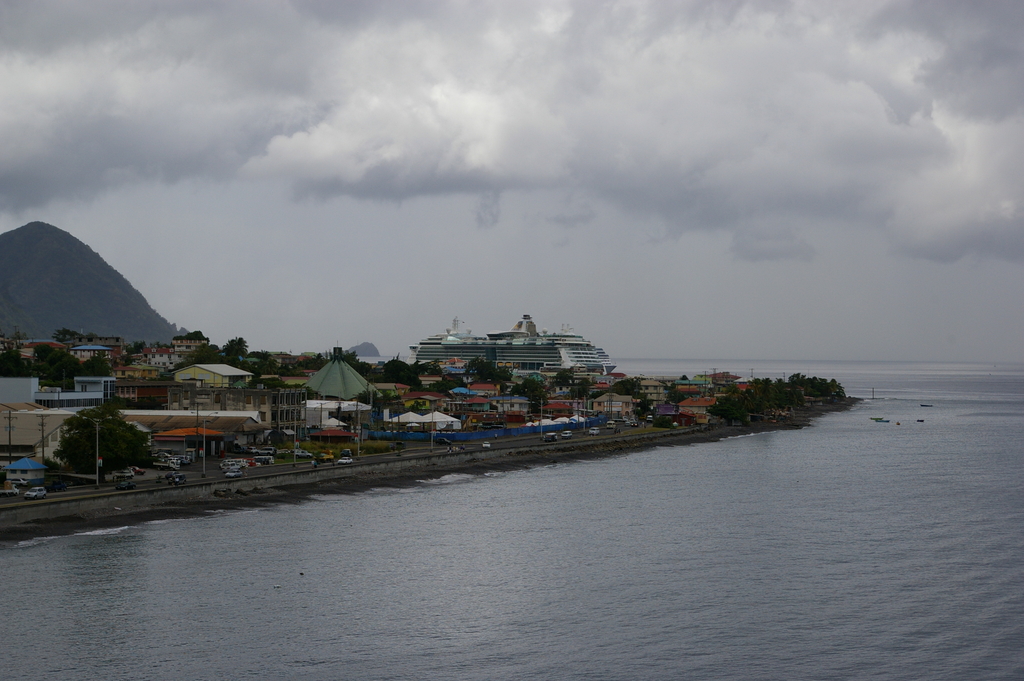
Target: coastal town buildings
column 614, row 406
column 213, row 375
column 280, row 409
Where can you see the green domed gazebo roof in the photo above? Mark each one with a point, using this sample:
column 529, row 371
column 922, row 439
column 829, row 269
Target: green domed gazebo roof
column 338, row 380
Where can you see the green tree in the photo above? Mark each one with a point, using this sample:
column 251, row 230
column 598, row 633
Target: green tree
column 97, row 365
column 64, row 335
column 60, row 368
column 236, row 348
column 362, row 368
column 486, row 370
column 135, row 348
column 581, row 389
column 430, row 369
column 315, row 362
column 627, row 386
column 533, row 390
column 444, row 385
column 729, row 408
column 204, row 354
column 12, row 365
column 564, row 378
column 262, row 363
column 675, row 396
column 397, row 371
column 121, row 443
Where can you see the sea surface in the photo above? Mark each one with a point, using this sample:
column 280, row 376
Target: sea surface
column 851, row 549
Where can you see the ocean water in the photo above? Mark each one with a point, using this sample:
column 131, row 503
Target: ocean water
column 847, row 550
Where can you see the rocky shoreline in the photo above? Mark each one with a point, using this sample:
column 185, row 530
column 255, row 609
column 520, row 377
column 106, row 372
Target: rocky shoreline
column 632, row 441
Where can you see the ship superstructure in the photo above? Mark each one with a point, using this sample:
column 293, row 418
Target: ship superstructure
column 523, row 347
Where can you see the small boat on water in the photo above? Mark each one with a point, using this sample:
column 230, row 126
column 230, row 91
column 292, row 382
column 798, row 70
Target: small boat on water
column 927, row 405
column 880, row 420
column 920, row 420
column 877, row 418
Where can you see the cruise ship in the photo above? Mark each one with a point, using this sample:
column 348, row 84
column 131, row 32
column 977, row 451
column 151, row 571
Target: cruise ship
column 521, row 348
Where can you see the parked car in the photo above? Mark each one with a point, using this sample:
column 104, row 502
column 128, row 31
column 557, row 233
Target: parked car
column 22, row 482
column 57, row 486
column 594, row 431
column 302, row 454
column 11, row 491
column 137, row 470
column 35, row 493
column 125, row 484
column 233, row 473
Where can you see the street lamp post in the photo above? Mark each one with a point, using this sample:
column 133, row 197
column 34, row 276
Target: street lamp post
column 202, row 452
column 97, row 423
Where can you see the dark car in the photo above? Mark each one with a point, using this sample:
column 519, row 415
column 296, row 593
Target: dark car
column 178, row 479
column 125, row 484
column 550, row 437
column 443, row 441
column 57, row 486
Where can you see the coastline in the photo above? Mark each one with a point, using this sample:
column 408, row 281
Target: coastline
column 580, row 450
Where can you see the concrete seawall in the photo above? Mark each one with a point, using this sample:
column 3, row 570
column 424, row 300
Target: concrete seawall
column 382, row 470
column 143, row 497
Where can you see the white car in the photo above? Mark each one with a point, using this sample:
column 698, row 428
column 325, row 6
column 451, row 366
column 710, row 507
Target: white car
column 233, row 473
column 36, row 493
column 344, row 460
column 594, row 431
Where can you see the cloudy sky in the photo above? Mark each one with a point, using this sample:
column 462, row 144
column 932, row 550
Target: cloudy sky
column 772, row 179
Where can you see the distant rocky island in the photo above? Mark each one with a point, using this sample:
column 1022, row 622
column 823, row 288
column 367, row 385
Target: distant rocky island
column 364, row 350
column 50, row 280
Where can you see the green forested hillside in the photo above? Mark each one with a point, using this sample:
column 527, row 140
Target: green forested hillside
column 51, row 280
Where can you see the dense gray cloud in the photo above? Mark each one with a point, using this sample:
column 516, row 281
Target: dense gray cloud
column 765, row 121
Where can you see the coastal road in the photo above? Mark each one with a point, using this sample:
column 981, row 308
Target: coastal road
column 193, row 472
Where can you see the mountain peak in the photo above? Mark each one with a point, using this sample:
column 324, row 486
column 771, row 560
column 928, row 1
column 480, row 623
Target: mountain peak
column 50, row 279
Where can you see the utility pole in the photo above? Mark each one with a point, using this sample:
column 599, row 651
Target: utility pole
column 42, row 437
column 10, row 431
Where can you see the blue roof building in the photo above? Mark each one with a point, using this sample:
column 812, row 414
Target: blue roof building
column 32, row 471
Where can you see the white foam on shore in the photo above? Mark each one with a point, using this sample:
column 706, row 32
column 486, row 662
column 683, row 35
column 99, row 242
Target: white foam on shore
column 99, row 533
column 735, row 437
column 35, row 541
column 450, row 479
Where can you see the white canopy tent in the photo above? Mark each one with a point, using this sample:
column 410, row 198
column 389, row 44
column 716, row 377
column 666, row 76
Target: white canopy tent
column 440, row 421
column 546, row 422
